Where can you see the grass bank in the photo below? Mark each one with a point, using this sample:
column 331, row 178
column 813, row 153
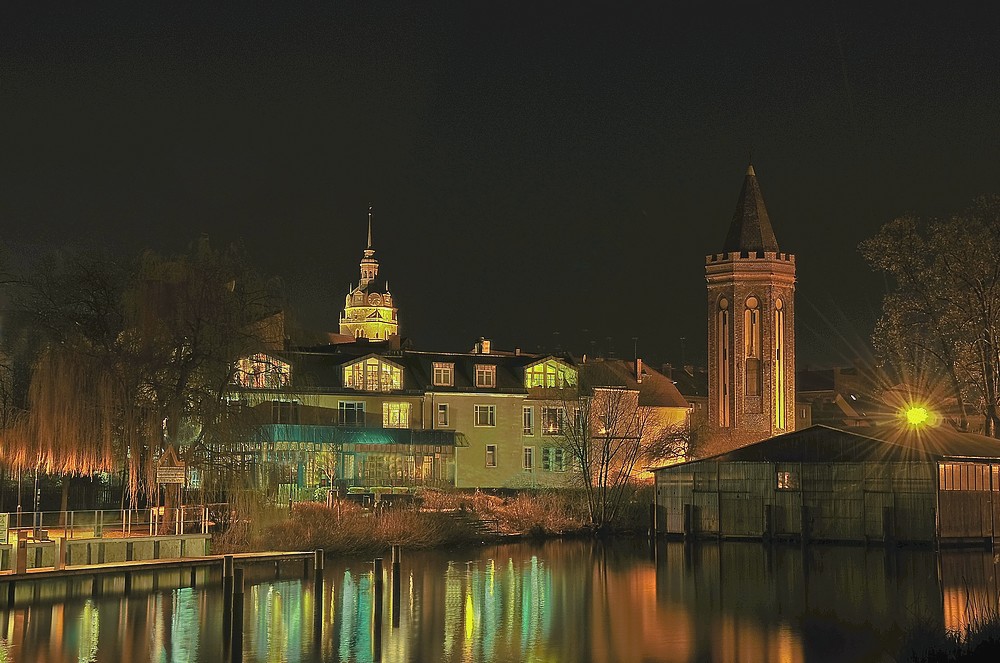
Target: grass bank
column 439, row 518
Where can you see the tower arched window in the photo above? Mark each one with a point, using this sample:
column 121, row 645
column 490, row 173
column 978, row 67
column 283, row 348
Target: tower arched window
column 752, row 346
column 779, row 365
column 723, row 334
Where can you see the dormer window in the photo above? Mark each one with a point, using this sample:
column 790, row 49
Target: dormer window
column 373, row 374
column 486, row 375
column 443, row 374
column 549, row 373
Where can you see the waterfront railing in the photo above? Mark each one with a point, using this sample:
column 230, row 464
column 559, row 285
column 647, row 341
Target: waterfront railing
column 111, row 523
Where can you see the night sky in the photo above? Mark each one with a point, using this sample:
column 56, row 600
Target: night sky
column 544, row 176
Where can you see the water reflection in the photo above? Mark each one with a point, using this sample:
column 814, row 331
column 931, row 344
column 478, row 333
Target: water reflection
column 560, row 601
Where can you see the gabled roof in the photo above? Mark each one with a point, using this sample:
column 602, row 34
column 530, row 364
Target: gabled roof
column 751, row 227
column 822, row 444
column 655, row 390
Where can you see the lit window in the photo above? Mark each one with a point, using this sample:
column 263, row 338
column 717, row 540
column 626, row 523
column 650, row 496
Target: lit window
column 442, row 414
column 788, row 481
column 553, row 459
column 351, row 413
column 491, row 455
column 486, row 415
column 549, row 374
column 486, row 375
column 395, row 415
column 529, row 458
column 553, row 420
column 373, row 375
column 444, row 374
column 262, row 372
column 529, row 420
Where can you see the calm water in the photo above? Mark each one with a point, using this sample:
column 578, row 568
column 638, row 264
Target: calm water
column 553, row 602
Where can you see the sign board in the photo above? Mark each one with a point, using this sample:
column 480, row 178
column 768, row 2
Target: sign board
column 170, row 469
column 170, row 474
column 4, row 523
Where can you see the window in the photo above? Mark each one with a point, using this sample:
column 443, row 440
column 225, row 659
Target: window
column 395, row 415
column 284, row 412
column 529, row 458
column 553, row 459
column 486, row 375
column 779, row 365
column 351, row 413
column 788, row 481
column 751, row 340
column 722, row 355
column 549, row 374
column 442, row 414
column 444, row 374
column 486, row 415
column 373, row 374
column 553, row 420
column 491, row 455
column 529, row 420
column 262, row 372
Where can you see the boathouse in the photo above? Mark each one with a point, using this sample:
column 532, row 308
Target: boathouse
column 887, row 484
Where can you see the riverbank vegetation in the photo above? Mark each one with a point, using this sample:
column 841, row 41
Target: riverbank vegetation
column 980, row 641
column 436, row 518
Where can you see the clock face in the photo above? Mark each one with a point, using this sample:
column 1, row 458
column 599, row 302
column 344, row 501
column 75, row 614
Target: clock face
column 374, row 299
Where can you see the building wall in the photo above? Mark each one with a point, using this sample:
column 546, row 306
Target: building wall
column 824, row 501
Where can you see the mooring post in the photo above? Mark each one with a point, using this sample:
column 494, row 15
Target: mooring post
column 377, row 585
column 21, row 557
column 318, row 566
column 396, row 579
column 236, row 646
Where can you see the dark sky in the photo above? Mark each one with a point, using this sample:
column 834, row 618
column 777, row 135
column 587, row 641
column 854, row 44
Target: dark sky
column 534, row 169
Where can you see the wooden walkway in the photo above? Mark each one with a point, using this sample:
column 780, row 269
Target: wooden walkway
column 121, row 568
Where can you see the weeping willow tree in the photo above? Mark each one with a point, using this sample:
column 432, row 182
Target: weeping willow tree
column 131, row 358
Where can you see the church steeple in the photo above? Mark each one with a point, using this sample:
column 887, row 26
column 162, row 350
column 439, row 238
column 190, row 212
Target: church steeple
column 369, row 311
column 750, row 229
column 369, row 265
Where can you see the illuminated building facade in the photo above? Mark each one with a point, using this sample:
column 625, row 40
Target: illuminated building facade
column 365, row 416
column 751, row 331
column 369, row 310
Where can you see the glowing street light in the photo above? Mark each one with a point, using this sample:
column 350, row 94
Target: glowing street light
column 917, row 415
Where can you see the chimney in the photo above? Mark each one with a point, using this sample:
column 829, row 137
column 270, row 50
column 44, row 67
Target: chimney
column 486, row 346
column 517, row 352
column 638, row 370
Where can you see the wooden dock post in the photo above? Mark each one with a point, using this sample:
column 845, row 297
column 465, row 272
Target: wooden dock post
column 236, row 646
column 21, row 556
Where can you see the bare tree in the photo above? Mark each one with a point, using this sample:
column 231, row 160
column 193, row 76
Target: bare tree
column 610, row 437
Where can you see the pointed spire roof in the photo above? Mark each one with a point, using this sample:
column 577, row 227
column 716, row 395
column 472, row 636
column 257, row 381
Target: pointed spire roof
column 369, row 226
column 751, row 227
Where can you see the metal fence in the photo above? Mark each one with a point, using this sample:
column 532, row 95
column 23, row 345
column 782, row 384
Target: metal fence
column 116, row 523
